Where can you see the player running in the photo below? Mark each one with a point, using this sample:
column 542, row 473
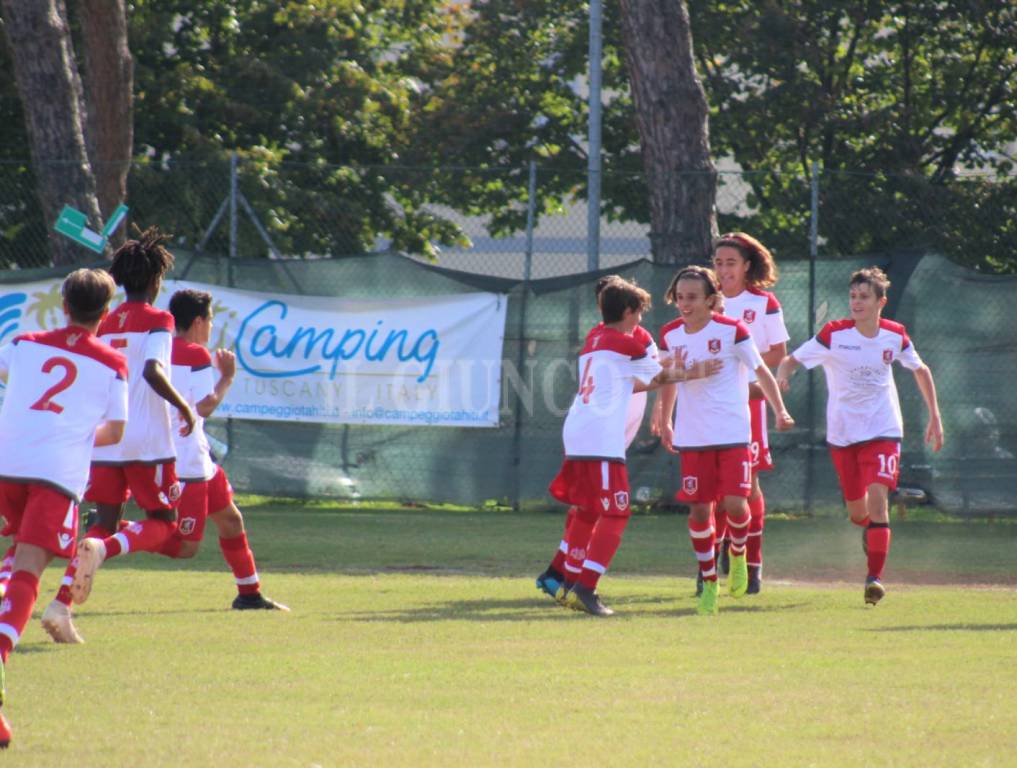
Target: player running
column 66, row 394
column 864, row 427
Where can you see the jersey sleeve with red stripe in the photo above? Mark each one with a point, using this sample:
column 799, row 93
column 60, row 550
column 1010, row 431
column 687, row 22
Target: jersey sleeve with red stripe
column 192, row 376
column 61, row 385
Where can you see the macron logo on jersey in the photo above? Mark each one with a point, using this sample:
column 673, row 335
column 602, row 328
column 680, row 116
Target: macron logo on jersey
column 64, row 540
column 73, row 338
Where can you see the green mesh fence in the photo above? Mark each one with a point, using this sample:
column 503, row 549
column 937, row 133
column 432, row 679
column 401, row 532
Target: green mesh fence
column 957, row 319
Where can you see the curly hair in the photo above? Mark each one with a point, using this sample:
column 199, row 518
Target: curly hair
column 762, row 268
column 138, row 262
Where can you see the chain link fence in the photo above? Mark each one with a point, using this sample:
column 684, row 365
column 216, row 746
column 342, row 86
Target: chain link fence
column 227, row 221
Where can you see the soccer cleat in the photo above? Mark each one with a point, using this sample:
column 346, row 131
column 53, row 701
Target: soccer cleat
column 56, row 620
column 874, row 590
column 91, row 553
column 755, row 580
column 725, row 557
column 549, row 582
column 587, row 600
column 699, row 583
column 5, row 727
column 738, row 579
column 708, row 600
column 256, row 602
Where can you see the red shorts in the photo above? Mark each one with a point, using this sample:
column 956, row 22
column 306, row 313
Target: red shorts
column 863, row 464
column 153, row 486
column 713, row 473
column 596, row 486
column 762, row 461
column 198, row 500
column 39, row 514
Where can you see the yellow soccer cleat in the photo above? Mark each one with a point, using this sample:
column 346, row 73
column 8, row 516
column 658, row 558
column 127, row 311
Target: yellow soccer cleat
column 708, row 600
column 738, row 579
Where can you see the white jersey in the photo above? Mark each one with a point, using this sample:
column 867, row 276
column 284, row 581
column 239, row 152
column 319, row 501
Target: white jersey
column 637, row 403
column 713, row 412
column 761, row 313
column 141, row 332
column 609, row 366
column 60, row 386
column 862, row 403
column 192, row 376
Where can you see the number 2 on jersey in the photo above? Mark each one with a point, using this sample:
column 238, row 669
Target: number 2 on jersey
column 45, row 403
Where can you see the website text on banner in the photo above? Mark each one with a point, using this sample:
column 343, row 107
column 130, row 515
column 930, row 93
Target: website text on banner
column 434, row 361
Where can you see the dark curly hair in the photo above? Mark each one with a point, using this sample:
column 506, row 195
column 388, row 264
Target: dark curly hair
column 138, row 262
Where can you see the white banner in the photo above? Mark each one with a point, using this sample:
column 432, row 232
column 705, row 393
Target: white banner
column 433, row 360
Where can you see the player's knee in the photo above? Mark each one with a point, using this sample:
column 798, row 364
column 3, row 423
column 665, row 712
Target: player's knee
column 229, row 521
column 188, row 549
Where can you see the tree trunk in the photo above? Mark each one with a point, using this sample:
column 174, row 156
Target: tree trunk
column 673, row 121
column 109, row 95
column 50, row 89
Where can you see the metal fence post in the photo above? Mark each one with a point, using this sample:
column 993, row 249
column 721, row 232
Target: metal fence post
column 593, row 166
column 811, row 399
column 517, row 432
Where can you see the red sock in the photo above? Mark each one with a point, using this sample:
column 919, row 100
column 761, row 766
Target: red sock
column 17, row 610
column 63, row 594
column 702, row 536
column 241, row 561
column 558, row 562
column 578, row 538
column 739, row 528
column 877, row 542
column 171, row 547
column 754, row 545
column 604, row 542
column 142, row 536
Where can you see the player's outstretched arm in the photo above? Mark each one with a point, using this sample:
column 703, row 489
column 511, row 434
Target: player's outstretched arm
column 156, row 378
column 934, row 431
column 226, row 363
column 109, row 433
column 772, row 394
column 785, row 371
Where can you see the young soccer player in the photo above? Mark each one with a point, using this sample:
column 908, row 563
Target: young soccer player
column 593, row 476
column 205, row 486
column 553, row 577
column 745, row 268
column 863, row 419
column 66, row 393
column 712, row 426
column 142, row 464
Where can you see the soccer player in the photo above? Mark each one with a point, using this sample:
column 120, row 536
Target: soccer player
column 66, row 393
column 863, row 419
column 205, row 486
column 553, row 577
column 712, row 426
column 745, row 268
column 593, row 476
column 142, row 464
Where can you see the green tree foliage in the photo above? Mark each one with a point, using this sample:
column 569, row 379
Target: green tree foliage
column 899, row 103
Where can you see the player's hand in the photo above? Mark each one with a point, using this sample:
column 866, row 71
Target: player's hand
column 186, row 416
column 783, row 383
column 784, row 421
column 658, row 408
column 667, row 437
column 226, row 363
column 703, row 368
column 934, row 434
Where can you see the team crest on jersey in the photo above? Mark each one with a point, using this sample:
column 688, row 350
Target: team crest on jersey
column 713, row 345
column 690, row 485
column 187, row 525
column 621, row 500
column 887, row 356
column 749, row 315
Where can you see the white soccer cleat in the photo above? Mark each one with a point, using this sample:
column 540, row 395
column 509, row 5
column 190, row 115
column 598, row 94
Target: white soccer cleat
column 56, row 620
column 91, row 553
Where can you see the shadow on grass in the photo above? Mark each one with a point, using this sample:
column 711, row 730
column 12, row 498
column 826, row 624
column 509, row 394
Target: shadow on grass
column 530, row 609
column 951, row 628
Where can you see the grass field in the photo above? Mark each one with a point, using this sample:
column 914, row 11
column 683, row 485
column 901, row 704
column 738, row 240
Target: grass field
column 417, row 638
